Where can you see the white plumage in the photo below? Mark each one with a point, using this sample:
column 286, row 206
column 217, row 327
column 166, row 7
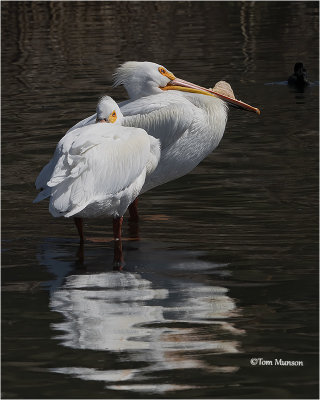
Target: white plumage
column 188, row 120
column 99, row 169
column 189, row 126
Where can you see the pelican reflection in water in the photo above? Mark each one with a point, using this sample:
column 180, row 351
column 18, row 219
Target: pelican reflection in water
column 155, row 316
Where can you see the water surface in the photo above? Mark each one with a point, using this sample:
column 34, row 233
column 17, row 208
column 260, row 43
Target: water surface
column 225, row 268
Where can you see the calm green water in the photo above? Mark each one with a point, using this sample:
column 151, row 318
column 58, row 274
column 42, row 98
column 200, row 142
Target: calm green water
column 226, row 268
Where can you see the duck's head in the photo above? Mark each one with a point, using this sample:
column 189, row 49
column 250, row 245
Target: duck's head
column 300, row 71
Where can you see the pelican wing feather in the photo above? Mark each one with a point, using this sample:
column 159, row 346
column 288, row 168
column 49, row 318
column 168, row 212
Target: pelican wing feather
column 101, row 160
column 161, row 116
column 47, row 171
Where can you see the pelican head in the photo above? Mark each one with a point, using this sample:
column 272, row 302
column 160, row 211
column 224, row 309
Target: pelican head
column 142, row 78
column 146, row 78
column 108, row 111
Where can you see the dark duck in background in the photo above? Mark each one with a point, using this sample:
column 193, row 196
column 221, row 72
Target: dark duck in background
column 299, row 78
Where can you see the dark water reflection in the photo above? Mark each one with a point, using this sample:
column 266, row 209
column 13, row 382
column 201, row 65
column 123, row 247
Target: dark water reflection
column 226, row 266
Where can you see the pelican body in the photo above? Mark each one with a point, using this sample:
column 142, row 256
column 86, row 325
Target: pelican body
column 189, row 127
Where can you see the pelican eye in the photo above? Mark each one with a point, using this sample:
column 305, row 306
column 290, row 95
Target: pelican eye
column 162, row 71
column 112, row 117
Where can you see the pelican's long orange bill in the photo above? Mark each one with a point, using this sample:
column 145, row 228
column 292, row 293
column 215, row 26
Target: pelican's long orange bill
column 180, row 84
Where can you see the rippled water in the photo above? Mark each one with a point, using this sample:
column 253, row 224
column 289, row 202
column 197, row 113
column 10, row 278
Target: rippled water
column 226, row 266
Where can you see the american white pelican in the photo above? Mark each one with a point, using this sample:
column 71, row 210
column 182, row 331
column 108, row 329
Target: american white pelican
column 99, row 169
column 188, row 119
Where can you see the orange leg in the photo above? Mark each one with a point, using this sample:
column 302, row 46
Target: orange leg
column 118, row 257
column 79, row 225
column 117, row 224
column 133, row 210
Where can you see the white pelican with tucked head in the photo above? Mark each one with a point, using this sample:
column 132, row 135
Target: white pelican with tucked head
column 189, row 120
column 99, row 169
